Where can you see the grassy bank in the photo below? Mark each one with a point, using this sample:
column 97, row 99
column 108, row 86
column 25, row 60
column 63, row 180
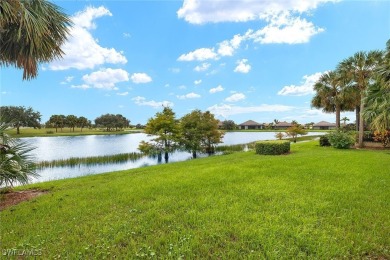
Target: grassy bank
column 31, row 132
column 313, row 203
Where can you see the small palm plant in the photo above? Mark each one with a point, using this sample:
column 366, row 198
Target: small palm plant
column 16, row 163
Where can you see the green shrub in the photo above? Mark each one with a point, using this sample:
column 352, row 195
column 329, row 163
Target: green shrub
column 324, row 141
column 49, row 132
column 272, row 147
column 341, row 140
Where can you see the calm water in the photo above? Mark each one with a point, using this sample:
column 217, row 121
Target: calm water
column 53, row 148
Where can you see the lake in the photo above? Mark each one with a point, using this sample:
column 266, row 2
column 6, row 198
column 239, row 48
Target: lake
column 54, row 148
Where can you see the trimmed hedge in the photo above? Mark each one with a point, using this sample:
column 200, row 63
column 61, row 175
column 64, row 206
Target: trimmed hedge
column 272, row 147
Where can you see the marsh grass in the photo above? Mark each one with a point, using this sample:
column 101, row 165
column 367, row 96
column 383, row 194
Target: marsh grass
column 106, row 159
column 315, row 203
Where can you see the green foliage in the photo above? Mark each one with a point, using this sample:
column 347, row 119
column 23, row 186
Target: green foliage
column 324, row 141
column 272, row 147
column 31, row 32
column 295, row 130
column 199, row 132
column 279, row 135
column 341, row 140
column 111, row 122
column 20, row 116
column 165, row 126
column 16, row 163
column 228, row 125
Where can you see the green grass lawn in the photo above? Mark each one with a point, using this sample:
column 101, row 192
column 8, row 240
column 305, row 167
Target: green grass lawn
column 31, row 132
column 316, row 202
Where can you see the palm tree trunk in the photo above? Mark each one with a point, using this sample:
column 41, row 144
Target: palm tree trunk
column 338, row 111
column 357, row 118
column 361, row 123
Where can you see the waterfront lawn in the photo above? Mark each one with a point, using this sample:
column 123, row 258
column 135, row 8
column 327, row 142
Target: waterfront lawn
column 317, row 202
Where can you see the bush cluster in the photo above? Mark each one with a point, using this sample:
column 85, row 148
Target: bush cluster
column 272, row 147
column 324, row 141
column 341, row 140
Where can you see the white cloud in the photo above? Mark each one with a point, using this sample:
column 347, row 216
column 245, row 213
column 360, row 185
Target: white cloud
column 229, row 110
column 242, row 66
column 227, row 47
column 106, row 78
column 306, row 88
column 141, row 101
column 81, row 50
column 203, row 67
column 126, row 35
column 197, row 82
column 67, row 80
column 123, row 93
column 189, row 96
column 219, row 88
column 235, row 97
column 200, row 12
column 139, row 78
column 83, row 86
column 199, row 55
column 284, row 28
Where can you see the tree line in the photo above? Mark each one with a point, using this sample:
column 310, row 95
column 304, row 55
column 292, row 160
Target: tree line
column 20, row 116
column 360, row 83
column 195, row 132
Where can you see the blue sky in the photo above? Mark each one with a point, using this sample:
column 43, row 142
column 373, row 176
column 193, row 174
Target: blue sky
column 241, row 59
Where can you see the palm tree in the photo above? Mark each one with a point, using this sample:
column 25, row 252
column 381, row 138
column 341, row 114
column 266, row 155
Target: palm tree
column 31, row 31
column 330, row 95
column 345, row 119
column 16, row 164
column 378, row 96
column 360, row 68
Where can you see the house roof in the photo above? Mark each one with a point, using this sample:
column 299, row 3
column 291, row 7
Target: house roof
column 284, row 123
column 249, row 122
column 324, row 123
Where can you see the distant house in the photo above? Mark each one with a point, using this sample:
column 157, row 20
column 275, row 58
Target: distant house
column 250, row 124
column 323, row 125
column 282, row 125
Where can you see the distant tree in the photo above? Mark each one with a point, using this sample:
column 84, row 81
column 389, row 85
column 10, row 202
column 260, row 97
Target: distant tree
column 19, row 116
column 165, row 126
column 111, row 121
column 121, row 122
column 57, row 121
column 279, row 135
column 275, row 122
column 211, row 135
column 295, row 130
column 228, row 125
column 139, row 126
column 191, row 132
column 294, row 122
column 16, row 163
column 71, row 121
column 31, row 32
column 199, row 132
column 83, row 122
column 345, row 119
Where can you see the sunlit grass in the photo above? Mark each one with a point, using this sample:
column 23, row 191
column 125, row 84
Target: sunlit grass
column 316, row 202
